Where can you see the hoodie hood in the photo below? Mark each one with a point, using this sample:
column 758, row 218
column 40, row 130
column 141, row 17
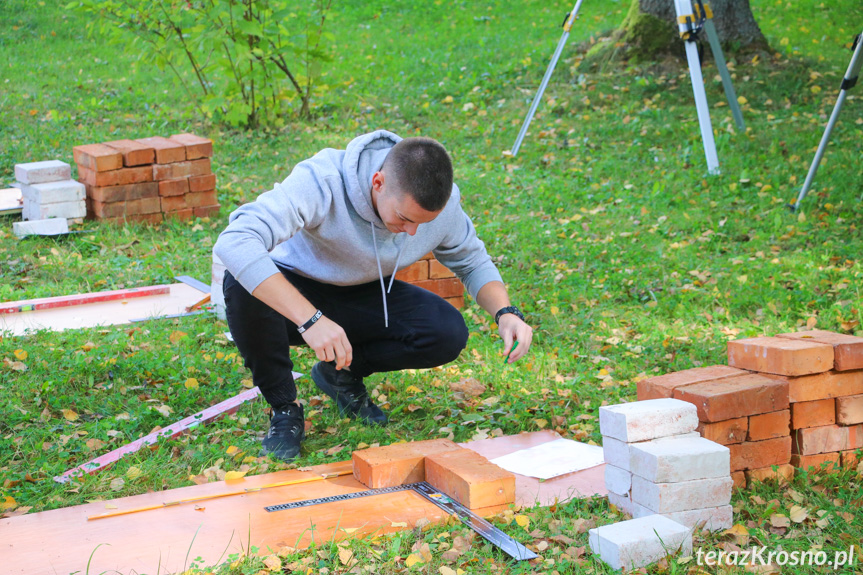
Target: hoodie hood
column 363, row 157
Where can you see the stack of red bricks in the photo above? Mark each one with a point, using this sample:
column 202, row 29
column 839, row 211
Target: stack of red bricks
column 461, row 473
column 148, row 179
column 430, row 274
column 794, row 400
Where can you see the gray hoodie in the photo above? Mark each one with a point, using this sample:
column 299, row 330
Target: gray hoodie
column 320, row 223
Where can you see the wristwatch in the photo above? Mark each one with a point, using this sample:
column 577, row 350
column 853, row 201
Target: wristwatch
column 508, row 309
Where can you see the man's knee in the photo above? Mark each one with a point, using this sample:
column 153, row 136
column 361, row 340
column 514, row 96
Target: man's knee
column 453, row 334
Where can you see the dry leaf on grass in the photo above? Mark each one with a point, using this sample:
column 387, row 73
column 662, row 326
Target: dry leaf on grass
column 798, row 514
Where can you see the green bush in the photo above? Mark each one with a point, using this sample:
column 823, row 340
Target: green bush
column 250, row 61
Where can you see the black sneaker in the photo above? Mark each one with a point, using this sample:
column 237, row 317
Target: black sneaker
column 287, row 430
column 348, row 392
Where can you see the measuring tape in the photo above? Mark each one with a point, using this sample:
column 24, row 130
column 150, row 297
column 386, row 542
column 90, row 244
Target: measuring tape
column 488, row 531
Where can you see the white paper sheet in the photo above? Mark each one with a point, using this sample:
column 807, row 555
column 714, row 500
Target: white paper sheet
column 551, row 459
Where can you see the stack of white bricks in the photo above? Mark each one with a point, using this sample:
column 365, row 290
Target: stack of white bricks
column 51, row 197
column 656, row 463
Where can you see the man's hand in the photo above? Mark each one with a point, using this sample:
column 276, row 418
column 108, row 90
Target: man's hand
column 330, row 342
column 513, row 329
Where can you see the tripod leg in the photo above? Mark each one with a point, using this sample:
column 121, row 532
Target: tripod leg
column 716, row 48
column 847, row 83
column 546, row 78
column 684, row 16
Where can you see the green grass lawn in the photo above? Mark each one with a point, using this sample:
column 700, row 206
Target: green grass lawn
column 628, row 259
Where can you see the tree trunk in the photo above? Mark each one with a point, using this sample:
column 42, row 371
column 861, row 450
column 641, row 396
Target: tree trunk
column 650, row 31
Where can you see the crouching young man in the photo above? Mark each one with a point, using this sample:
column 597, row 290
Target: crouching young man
column 312, row 262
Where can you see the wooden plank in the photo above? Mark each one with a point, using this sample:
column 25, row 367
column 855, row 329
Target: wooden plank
column 81, row 299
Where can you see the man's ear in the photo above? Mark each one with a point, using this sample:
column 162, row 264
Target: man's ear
column 378, row 181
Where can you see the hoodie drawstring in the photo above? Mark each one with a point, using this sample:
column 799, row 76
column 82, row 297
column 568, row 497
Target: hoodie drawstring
column 384, row 289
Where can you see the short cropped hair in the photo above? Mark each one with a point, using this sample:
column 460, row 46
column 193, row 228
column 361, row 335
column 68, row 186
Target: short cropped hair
column 421, row 168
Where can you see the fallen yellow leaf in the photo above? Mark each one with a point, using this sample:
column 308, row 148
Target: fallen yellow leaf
column 232, row 450
column 234, row 475
column 522, row 520
column 8, row 503
column 176, row 336
column 70, row 415
column 191, row 383
column 413, row 558
column 20, row 354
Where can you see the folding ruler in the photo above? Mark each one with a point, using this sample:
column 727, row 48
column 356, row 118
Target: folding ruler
column 491, row 533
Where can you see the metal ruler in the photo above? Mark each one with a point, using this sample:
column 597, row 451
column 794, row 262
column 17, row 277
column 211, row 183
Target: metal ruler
column 488, row 531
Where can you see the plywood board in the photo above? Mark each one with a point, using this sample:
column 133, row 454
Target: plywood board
column 158, row 541
column 103, row 313
column 530, row 492
column 11, row 201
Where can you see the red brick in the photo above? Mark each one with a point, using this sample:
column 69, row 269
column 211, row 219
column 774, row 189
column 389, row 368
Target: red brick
column 97, row 157
column 817, row 462
column 823, row 385
column 849, row 409
column 123, row 193
column 769, row 425
column 739, row 479
column 663, row 386
column 167, row 152
column 119, row 177
column 119, row 209
column 143, row 206
column 177, row 187
column 139, row 218
column 725, row 432
column 204, row 183
column 827, row 438
column 456, row 302
column 780, row 356
column 449, row 287
column 850, row 458
column 470, row 478
column 196, row 146
column 200, row 199
column 396, row 464
column 813, row 413
column 181, row 169
column 206, row 211
column 417, row 271
column 134, row 153
column 182, row 215
column 758, row 454
column 437, row 270
column 847, row 349
column 734, row 397
column 782, row 474
column 174, row 203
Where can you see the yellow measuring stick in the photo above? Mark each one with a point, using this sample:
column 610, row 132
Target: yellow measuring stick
column 217, row 495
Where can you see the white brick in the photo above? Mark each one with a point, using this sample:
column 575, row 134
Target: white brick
column 34, row 211
column 683, row 496
column 709, row 519
column 645, row 420
column 622, row 502
column 54, row 192
column 49, row 227
column 618, row 453
column 672, row 460
column 639, row 542
column 39, row 172
column 617, row 480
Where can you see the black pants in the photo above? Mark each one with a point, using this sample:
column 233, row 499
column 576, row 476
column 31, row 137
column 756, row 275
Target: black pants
column 424, row 330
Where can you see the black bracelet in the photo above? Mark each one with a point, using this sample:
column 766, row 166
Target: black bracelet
column 311, row 322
